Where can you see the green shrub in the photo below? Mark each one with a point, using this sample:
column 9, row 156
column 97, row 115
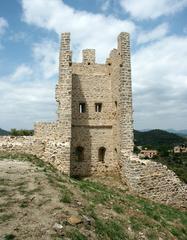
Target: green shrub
column 9, row 237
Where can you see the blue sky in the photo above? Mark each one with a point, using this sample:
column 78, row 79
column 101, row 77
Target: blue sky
column 29, row 44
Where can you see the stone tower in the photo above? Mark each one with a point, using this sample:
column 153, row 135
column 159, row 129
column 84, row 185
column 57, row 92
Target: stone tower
column 94, row 130
column 95, row 108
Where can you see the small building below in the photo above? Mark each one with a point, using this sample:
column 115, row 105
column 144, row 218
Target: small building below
column 180, row 149
column 148, row 153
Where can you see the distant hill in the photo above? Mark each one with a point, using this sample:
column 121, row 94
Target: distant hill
column 4, row 132
column 182, row 132
column 157, row 138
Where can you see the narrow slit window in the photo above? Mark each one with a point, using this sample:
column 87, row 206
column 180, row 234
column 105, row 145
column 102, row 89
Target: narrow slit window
column 101, row 153
column 80, row 154
column 98, row 107
column 116, row 104
column 82, row 107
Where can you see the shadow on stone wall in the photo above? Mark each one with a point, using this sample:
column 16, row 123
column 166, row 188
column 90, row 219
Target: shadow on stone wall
column 81, row 136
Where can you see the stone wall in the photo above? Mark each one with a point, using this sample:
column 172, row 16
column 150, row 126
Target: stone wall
column 92, row 130
column 45, row 130
column 110, row 129
column 28, row 145
column 125, row 94
column 114, row 62
column 92, row 139
column 64, row 100
column 88, row 56
column 55, row 153
column 50, row 151
column 154, row 181
column 110, row 85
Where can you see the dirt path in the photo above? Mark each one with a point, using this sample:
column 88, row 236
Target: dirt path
column 37, row 203
column 33, row 199
column 29, row 205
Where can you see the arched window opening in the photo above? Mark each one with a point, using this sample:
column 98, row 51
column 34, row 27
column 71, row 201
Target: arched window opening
column 102, row 152
column 80, row 154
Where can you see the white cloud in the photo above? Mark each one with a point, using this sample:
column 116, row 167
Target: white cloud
column 21, row 73
column 105, row 5
column 88, row 30
column 46, row 55
column 159, row 68
column 3, row 25
column 22, row 104
column 29, row 91
column 160, row 83
column 151, row 9
column 185, row 30
column 155, row 34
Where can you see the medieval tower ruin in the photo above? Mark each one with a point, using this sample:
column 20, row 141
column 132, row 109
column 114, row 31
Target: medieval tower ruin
column 94, row 109
column 93, row 133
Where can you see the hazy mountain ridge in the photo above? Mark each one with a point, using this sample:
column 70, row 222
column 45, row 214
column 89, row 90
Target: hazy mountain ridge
column 4, row 132
column 182, row 132
column 157, row 138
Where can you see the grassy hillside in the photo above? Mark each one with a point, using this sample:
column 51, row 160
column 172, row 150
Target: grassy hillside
column 164, row 141
column 157, row 139
column 100, row 211
column 4, row 132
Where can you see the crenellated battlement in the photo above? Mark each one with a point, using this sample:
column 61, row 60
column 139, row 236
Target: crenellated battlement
column 88, row 56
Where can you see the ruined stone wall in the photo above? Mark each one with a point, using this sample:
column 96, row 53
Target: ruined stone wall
column 26, row 144
column 114, row 62
column 55, row 153
column 57, row 135
column 120, row 73
column 45, row 130
column 50, row 151
column 154, row 181
column 125, row 94
column 64, row 100
column 90, row 83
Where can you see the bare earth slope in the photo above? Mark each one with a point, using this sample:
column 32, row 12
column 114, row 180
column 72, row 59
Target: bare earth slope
column 37, row 202
column 28, row 201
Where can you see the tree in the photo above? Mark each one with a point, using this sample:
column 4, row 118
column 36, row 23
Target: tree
column 21, row 132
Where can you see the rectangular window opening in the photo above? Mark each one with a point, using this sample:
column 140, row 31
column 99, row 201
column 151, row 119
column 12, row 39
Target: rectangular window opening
column 82, row 107
column 98, row 107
